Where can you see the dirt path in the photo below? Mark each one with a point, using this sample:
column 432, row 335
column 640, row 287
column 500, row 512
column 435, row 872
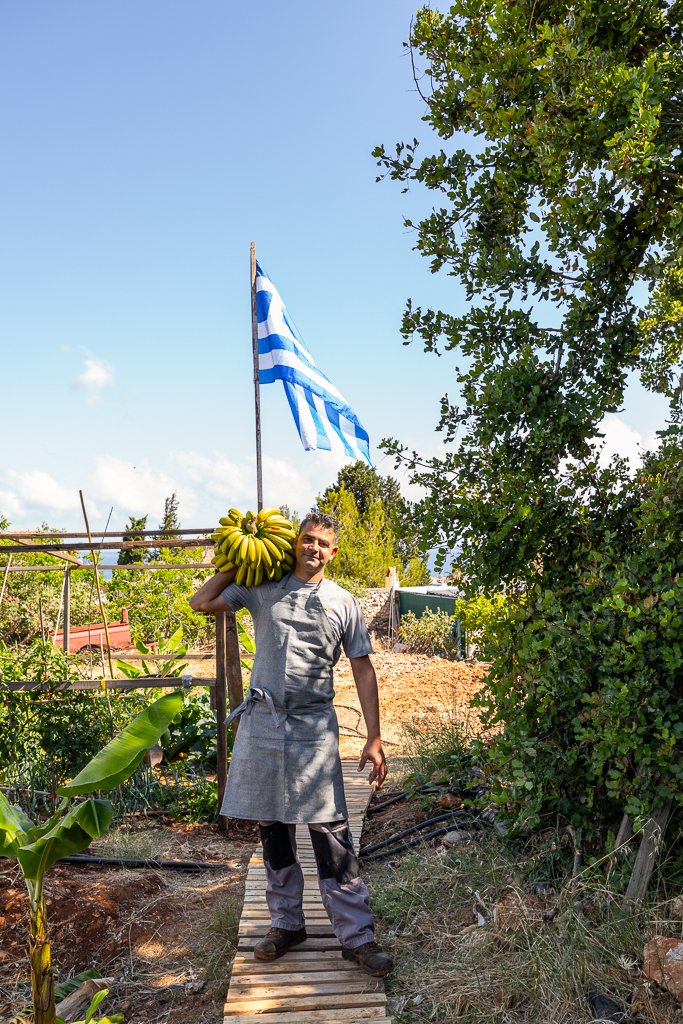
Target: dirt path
column 163, row 937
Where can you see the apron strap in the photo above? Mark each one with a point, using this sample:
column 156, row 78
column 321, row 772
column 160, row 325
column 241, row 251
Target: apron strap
column 254, row 695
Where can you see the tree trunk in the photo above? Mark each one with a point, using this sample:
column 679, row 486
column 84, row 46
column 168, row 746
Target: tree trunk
column 42, row 977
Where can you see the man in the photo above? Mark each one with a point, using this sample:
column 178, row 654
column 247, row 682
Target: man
column 285, row 766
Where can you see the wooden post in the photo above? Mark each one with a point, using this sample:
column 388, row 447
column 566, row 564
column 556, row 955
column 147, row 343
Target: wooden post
column 233, row 665
column 653, row 833
column 66, row 633
column 220, row 704
column 257, row 392
column 97, row 585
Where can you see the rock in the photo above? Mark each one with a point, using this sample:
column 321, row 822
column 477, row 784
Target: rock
column 455, row 837
column 448, row 801
column 604, row 1008
column 676, row 908
column 663, row 963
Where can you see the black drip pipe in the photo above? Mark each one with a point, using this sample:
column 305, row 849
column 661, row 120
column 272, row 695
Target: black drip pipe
column 415, row 828
column 125, row 862
column 383, row 854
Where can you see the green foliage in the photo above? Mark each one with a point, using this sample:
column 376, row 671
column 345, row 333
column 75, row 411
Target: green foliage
column 189, row 795
column 32, row 602
column 48, row 734
column 133, row 531
column 157, row 601
column 193, row 735
column 366, row 543
column 558, row 213
column 121, row 756
column 433, row 633
column 369, row 489
column 482, row 617
column 595, row 658
column 159, row 664
column 71, row 829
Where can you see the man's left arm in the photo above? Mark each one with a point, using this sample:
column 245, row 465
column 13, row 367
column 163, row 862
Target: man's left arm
column 366, row 685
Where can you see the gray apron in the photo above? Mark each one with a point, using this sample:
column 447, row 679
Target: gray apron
column 285, row 763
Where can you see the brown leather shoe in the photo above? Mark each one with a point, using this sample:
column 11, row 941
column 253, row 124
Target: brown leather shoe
column 276, row 942
column 371, row 958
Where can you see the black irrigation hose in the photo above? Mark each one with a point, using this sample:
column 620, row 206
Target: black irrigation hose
column 415, row 828
column 387, row 802
column 383, row 854
column 124, row 862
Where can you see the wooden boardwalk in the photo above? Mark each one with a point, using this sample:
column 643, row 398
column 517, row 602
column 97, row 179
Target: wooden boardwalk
column 311, row 982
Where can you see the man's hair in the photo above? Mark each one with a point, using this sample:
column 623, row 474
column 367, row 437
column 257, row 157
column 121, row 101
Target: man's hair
column 321, row 519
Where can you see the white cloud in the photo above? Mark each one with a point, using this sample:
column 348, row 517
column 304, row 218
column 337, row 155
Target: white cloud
column 620, row 439
column 35, row 487
column 206, row 483
column 97, row 374
column 132, row 489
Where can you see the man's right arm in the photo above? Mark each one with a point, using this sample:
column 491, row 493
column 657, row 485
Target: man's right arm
column 209, row 596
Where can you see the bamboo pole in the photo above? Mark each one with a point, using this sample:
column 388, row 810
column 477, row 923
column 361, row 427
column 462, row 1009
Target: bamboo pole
column 97, row 584
column 4, row 578
column 66, row 635
column 257, row 390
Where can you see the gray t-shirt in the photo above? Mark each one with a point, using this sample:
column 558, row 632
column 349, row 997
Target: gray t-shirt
column 341, row 608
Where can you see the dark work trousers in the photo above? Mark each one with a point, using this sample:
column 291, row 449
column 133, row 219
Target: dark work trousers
column 344, row 894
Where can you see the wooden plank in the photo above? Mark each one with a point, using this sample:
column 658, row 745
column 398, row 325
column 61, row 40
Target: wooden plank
column 653, row 833
column 338, row 1001
column 113, row 567
column 63, row 535
column 312, row 982
column 105, row 545
column 297, row 960
column 259, row 990
column 375, row 1013
column 258, row 928
column 303, row 977
column 144, row 683
column 219, row 703
column 317, row 942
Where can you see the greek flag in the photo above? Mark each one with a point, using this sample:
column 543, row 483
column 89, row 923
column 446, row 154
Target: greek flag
column 321, row 414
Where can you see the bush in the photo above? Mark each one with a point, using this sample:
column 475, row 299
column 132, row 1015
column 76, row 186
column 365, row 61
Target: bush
column 433, row 633
column 48, row 735
column 481, row 618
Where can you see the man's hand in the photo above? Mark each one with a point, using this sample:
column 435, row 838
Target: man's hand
column 372, row 751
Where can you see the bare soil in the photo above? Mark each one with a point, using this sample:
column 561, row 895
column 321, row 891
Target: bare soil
column 165, row 938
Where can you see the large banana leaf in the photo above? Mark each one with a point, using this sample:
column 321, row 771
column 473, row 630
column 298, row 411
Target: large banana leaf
column 119, row 759
column 13, row 827
column 73, row 833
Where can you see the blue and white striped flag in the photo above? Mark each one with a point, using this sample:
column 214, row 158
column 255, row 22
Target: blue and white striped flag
column 321, row 414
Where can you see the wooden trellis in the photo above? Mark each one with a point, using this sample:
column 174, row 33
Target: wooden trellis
column 225, row 687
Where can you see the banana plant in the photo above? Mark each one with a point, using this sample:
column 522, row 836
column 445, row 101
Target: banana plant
column 72, row 828
column 164, row 664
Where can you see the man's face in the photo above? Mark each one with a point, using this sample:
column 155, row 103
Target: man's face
column 315, row 547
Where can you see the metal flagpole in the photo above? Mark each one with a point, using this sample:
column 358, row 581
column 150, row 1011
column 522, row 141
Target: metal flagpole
column 257, row 392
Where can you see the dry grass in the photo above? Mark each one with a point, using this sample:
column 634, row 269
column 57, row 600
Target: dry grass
column 459, row 959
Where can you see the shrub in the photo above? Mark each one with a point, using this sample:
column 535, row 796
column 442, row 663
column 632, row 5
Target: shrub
column 432, row 633
column 481, row 618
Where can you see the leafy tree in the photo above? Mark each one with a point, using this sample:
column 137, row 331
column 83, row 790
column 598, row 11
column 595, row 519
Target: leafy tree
column 562, row 218
column 170, row 521
column 366, row 544
column 368, row 487
column 33, row 600
column 134, row 529
column 157, row 600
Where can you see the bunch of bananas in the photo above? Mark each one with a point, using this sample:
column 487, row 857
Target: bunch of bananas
column 259, row 545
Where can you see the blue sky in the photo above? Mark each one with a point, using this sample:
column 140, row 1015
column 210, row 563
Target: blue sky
column 145, row 147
